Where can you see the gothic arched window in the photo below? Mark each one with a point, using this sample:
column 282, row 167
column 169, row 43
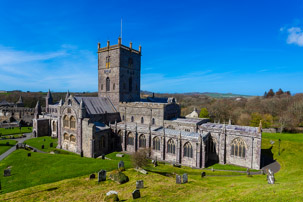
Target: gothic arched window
column 130, row 139
column 54, row 126
column 65, row 122
column 102, row 142
column 188, row 150
column 130, row 84
column 66, row 136
column 130, row 62
column 171, row 146
column 156, row 143
column 132, row 119
column 120, row 135
column 72, row 122
column 153, row 121
column 142, row 120
column 142, row 141
column 114, row 86
column 107, row 84
column 238, row 148
column 212, row 145
column 73, row 138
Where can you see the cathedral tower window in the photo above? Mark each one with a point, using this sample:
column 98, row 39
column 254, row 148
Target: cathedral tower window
column 132, row 119
column 238, row 148
column 171, row 146
column 72, row 122
column 142, row 141
column 188, row 150
column 73, row 138
column 102, row 142
column 130, row 82
column 142, row 120
column 54, row 126
column 65, row 122
column 156, row 143
column 130, row 139
column 101, row 86
column 107, row 84
column 66, row 136
column 114, row 86
column 153, row 121
column 107, row 62
column 130, row 62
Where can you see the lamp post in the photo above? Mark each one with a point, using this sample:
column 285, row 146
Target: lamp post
column 279, row 146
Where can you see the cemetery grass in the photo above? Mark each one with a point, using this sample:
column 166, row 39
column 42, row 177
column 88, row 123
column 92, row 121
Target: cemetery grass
column 15, row 130
column 160, row 186
column 4, row 147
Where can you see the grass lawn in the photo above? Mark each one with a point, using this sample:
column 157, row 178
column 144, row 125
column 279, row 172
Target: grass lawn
column 160, row 183
column 15, row 130
column 4, row 147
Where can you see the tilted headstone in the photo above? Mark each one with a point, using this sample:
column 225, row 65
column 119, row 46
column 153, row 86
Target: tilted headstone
column 136, row 194
column 29, row 154
column 203, row 174
column 7, row 172
column 178, row 179
column 121, row 164
column 111, row 192
column 139, row 184
column 92, row 176
column 185, row 178
column 101, row 175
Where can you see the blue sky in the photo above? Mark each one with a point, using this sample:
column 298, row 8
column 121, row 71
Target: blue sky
column 244, row 47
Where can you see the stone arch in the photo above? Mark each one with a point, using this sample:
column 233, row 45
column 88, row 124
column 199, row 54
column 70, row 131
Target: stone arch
column 171, row 147
column 188, row 150
column 156, row 143
column 65, row 121
column 142, row 141
column 66, row 137
column 132, row 119
column 73, row 138
column 238, row 148
column 72, row 122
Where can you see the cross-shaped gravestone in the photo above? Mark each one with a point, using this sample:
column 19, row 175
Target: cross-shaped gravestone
column 178, row 179
column 121, row 164
column 185, row 178
column 139, row 184
column 7, row 172
column 136, row 194
column 101, row 175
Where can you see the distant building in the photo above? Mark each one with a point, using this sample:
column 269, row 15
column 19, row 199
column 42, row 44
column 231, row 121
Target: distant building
column 118, row 119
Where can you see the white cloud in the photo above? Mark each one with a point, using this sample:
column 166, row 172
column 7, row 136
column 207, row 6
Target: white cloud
column 295, row 36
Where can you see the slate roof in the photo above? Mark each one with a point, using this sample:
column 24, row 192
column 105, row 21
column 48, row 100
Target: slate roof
column 184, row 134
column 5, row 103
column 189, row 120
column 247, row 129
column 97, row 105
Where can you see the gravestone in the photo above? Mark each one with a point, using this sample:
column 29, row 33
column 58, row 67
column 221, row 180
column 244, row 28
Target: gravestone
column 139, row 184
column 101, row 175
column 136, row 194
column 102, row 156
column 111, row 192
column 44, row 140
column 203, row 174
column 270, row 177
column 51, row 144
column 248, row 171
column 29, row 154
column 7, row 143
column 185, row 178
column 92, row 176
column 178, row 179
column 42, row 147
column 7, row 172
column 119, row 155
column 262, row 172
column 17, row 146
column 121, row 164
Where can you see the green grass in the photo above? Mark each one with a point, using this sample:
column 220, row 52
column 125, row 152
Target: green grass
column 4, row 147
column 12, row 136
column 160, row 181
column 46, row 140
column 15, row 130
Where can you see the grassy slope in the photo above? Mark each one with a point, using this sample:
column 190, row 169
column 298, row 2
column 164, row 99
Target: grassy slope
column 288, row 187
column 39, row 141
column 15, row 130
column 3, row 147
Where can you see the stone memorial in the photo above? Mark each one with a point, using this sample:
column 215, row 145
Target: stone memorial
column 7, row 143
column 119, row 155
column 51, row 144
column 139, row 184
column 7, row 172
column 102, row 156
column 178, row 179
column 203, row 174
column 121, row 164
column 29, row 154
column 92, row 176
column 136, row 194
column 270, row 177
column 42, row 147
column 248, row 171
column 101, row 175
column 185, row 178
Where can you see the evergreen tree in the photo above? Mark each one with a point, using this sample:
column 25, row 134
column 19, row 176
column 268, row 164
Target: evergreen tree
column 204, row 113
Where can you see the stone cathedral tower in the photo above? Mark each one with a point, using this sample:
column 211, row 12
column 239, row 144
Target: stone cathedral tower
column 119, row 70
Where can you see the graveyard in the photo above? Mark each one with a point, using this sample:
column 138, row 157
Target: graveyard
column 66, row 177
column 6, row 145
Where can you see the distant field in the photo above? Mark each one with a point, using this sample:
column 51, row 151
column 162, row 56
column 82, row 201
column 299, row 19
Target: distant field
column 4, row 147
column 160, row 183
column 15, row 130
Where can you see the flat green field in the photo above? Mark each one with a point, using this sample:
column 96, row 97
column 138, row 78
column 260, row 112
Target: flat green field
column 159, row 182
column 4, row 147
column 15, row 130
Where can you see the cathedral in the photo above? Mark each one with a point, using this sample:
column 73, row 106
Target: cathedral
column 119, row 120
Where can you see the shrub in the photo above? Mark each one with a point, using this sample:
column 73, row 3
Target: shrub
column 111, row 198
column 119, row 177
column 139, row 158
